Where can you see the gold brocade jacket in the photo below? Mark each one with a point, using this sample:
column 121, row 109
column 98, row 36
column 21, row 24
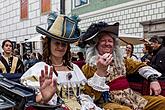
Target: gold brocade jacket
column 131, row 65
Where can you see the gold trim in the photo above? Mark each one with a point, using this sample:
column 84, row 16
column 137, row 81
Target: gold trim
column 64, row 33
column 2, row 67
column 14, row 65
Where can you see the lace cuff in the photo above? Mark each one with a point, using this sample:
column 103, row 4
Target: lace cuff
column 98, row 83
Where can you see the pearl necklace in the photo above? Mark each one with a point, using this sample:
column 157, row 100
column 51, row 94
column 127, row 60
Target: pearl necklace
column 57, row 65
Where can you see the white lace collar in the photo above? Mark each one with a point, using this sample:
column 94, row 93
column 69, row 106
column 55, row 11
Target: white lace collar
column 76, row 78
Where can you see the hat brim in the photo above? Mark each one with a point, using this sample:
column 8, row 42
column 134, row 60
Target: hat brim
column 50, row 35
column 114, row 29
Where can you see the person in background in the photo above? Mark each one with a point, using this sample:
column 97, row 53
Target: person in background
column 80, row 61
column 16, row 53
column 147, row 50
column 33, row 59
column 56, row 78
column 73, row 57
column 26, row 58
column 106, row 67
column 158, row 59
column 39, row 56
column 129, row 52
column 9, row 63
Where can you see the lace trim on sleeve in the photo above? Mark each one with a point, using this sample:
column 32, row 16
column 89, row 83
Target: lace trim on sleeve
column 98, row 83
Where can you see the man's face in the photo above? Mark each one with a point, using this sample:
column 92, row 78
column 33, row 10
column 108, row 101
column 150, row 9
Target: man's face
column 105, row 44
column 155, row 45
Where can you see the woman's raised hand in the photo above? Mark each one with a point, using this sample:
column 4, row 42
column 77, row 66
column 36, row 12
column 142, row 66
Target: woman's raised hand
column 48, row 85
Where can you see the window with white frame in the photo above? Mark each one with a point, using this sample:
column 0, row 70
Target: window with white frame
column 80, row 2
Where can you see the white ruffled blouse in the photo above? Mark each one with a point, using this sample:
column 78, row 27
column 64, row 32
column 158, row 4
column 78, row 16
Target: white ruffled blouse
column 31, row 76
column 31, row 79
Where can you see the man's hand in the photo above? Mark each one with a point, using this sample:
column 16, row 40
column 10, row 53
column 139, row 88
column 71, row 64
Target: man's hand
column 102, row 64
column 47, row 84
column 155, row 88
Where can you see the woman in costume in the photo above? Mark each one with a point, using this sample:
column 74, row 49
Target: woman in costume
column 8, row 62
column 57, row 79
column 129, row 52
column 106, row 65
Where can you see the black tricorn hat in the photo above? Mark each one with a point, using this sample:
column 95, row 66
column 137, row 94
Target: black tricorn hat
column 61, row 27
column 94, row 29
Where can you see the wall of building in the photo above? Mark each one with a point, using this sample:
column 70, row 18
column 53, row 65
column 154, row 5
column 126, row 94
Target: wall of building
column 94, row 5
column 12, row 27
column 128, row 14
column 68, row 7
column 154, row 27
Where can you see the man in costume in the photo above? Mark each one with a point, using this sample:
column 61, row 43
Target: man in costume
column 107, row 69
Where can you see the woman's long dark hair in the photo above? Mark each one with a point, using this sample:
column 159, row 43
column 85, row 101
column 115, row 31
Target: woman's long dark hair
column 47, row 52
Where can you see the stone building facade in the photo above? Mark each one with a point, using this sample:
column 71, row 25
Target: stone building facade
column 154, row 27
column 129, row 13
column 16, row 29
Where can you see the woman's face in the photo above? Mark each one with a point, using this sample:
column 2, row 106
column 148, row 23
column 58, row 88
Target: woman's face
column 128, row 49
column 58, row 48
column 144, row 50
column 7, row 48
column 105, row 44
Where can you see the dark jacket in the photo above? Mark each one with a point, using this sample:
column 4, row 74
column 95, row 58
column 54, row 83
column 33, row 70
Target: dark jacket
column 146, row 58
column 158, row 60
column 12, row 70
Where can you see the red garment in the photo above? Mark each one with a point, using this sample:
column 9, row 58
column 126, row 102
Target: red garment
column 119, row 84
column 79, row 63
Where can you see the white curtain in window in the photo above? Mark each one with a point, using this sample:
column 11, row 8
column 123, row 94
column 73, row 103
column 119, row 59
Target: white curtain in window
column 77, row 2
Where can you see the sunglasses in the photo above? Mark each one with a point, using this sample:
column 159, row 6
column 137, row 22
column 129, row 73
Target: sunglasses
column 58, row 43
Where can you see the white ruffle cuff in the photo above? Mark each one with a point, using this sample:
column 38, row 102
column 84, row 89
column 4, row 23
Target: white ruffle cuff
column 98, row 83
column 146, row 71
